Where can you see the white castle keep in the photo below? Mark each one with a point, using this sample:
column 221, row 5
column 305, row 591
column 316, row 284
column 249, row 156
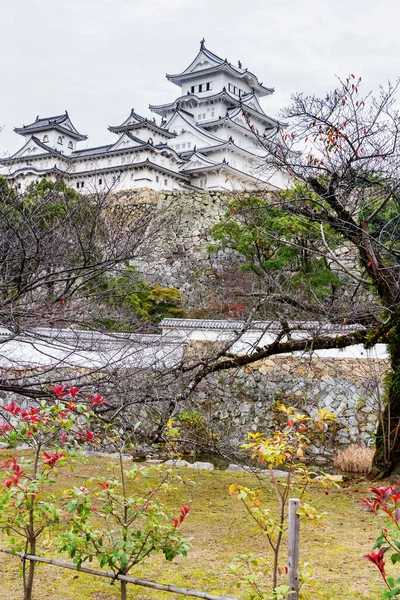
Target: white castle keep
column 212, row 137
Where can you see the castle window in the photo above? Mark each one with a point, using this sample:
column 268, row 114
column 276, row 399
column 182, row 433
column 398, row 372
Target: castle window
column 183, row 146
column 178, row 146
column 45, row 138
column 59, row 141
column 189, row 144
column 100, row 182
column 157, row 179
column 70, row 145
column 212, row 113
column 192, row 89
column 208, row 86
column 201, row 87
column 77, row 186
column 165, row 181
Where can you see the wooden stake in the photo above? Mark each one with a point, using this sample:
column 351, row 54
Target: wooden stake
column 293, row 553
column 150, row 584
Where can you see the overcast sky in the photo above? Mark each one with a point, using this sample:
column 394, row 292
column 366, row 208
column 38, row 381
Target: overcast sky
column 100, row 58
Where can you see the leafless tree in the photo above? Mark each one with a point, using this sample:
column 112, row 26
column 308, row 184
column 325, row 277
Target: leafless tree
column 342, row 153
column 61, row 260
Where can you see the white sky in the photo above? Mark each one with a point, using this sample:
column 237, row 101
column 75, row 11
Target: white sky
column 100, row 58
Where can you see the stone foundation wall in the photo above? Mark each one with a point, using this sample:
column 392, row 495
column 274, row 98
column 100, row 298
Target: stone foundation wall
column 174, row 253
column 174, row 249
column 243, row 400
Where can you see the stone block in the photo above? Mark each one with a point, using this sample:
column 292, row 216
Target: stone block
column 202, row 466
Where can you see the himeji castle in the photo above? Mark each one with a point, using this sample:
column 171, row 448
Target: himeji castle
column 212, row 137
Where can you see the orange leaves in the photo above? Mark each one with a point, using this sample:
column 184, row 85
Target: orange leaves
column 232, row 489
column 285, row 136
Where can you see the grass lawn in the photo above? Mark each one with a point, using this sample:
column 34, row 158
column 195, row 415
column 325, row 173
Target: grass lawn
column 220, row 530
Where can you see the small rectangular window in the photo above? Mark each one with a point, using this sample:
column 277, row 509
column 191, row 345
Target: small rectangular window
column 165, row 181
column 212, row 113
column 100, row 182
column 77, row 186
column 201, row 87
column 189, row 144
column 157, row 179
column 208, row 86
column 178, row 146
column 183, row 146
column 199, row 117
column 82, row 184
column 192, row 89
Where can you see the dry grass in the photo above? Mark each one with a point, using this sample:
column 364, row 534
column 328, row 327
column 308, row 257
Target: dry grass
column 355, row 459
column 220, row 530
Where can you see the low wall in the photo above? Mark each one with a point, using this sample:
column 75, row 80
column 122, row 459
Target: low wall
column 243, row 400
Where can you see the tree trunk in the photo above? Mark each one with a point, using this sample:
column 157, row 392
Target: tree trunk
column 31, row 573
column 124, row 586
column 387, row 454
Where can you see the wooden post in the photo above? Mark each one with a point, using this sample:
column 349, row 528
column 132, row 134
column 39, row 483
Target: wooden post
column 293, row 554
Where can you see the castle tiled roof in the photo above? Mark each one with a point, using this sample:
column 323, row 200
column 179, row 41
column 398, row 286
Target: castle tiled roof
column 235, row 325
column 219, row 65
column 136, row 122
column 163, row 109
column 61, row 123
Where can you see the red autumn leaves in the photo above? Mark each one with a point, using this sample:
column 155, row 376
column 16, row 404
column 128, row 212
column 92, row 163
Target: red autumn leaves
column 377, row 559
column 14, row 471
column 65, row 415
column 62, row 392
column 184, row 513
column 51, row 459
column 386, row 500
